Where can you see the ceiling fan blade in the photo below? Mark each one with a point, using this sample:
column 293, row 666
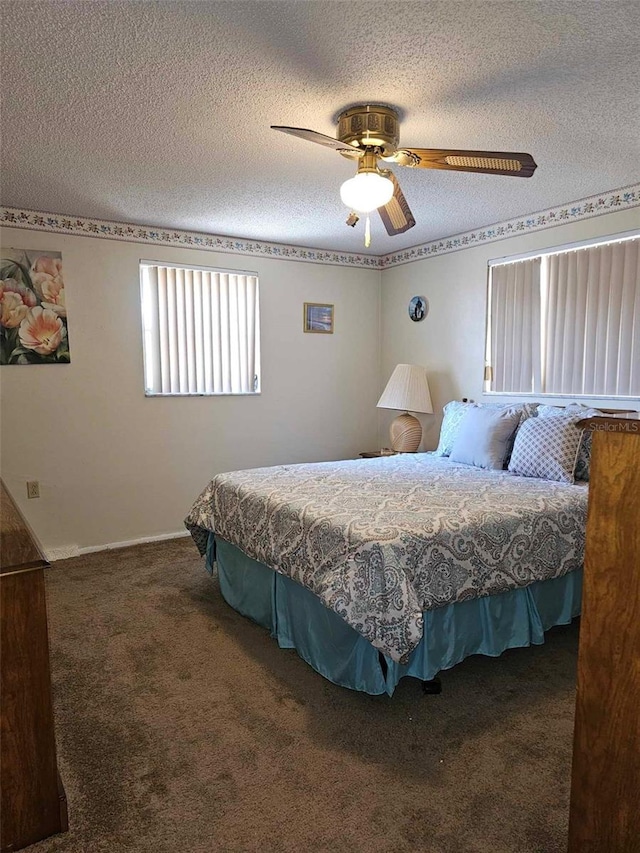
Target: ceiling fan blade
column 396, row 214
column 518, row 165
column 319, row 138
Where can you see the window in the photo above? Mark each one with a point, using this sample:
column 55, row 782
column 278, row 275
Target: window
column 566, row 322
column 201, row 330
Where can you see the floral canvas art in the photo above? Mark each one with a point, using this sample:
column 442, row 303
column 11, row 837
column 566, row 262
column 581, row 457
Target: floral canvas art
column 33, row 315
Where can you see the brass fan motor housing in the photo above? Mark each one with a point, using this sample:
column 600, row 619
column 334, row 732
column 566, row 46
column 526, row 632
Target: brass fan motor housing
column 370, row 125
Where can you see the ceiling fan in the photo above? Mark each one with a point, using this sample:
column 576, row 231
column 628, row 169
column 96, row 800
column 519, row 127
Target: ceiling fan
column 371, row 132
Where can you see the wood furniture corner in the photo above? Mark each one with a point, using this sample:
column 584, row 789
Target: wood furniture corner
column 33, row 804
column 605, row 785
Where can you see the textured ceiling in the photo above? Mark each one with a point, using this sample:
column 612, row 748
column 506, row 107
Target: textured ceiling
column 158, row 113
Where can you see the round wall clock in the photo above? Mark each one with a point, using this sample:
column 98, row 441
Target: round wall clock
column 418, row 308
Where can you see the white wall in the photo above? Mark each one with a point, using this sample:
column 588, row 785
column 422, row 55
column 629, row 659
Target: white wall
column 449, row 342
column 115, row 466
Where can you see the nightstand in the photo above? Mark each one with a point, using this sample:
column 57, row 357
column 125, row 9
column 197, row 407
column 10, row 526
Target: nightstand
column 376, row 454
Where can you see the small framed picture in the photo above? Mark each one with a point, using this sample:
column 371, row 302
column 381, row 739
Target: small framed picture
column 318, row 318
column 418, row 308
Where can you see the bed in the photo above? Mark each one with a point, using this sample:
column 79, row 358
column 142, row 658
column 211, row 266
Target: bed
column 377, row 569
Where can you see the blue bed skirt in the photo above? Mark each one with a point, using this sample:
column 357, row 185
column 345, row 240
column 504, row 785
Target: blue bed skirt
column 299, row 620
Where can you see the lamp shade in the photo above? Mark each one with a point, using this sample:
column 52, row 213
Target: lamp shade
column 407, row 390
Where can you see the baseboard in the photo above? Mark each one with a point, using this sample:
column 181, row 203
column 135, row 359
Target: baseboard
column 63, row 553
column 67, row 551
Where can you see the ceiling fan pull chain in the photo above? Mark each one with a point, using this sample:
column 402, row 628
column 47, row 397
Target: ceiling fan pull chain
column 367, row 233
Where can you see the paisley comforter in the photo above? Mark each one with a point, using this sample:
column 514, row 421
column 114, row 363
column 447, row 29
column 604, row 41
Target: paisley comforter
column 381, row 540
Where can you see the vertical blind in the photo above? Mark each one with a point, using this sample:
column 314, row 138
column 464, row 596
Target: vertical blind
column 515, row 326
column 593, row 321
column 567, row 322
column 201, row 331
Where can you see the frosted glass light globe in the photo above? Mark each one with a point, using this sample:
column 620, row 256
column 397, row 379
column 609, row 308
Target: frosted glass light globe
column 366, row 191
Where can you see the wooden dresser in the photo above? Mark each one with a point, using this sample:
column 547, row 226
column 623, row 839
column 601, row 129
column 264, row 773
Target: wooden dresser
column 605, row 784
column 33, row 804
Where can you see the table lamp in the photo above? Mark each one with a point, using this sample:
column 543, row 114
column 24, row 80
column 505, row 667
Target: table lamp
column 407, row 390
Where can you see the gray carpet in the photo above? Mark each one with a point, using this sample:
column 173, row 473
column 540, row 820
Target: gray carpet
column 182, row 726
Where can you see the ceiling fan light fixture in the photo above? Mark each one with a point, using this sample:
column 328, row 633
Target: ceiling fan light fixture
column 371, row 132
column 366, row 191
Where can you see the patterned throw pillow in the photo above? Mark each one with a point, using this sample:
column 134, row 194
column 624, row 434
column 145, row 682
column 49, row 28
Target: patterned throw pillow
column 584, row 453
column 529, row 410
column 547, row 448
column 453, row 414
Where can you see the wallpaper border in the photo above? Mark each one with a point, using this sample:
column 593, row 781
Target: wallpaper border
column 621, row 199
column 586, row 208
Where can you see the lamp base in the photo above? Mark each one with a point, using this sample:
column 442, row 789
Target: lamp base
column 405, row 433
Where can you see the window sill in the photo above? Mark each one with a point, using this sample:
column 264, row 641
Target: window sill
column 151, row 395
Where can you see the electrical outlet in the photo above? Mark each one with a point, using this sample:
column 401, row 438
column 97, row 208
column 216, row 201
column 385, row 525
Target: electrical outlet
column 33, row 489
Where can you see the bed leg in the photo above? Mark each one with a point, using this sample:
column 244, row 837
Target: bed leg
column 432, row 687
column 383, row 664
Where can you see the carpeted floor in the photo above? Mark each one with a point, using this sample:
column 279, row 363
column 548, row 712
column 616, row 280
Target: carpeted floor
column 183, row 727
